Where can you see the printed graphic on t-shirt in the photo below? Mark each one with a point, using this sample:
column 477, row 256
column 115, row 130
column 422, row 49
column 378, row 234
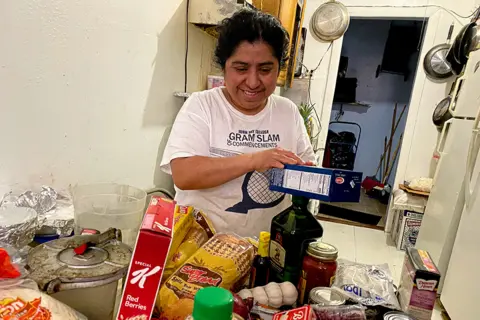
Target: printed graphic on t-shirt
column 253, row 139
column 255, row 188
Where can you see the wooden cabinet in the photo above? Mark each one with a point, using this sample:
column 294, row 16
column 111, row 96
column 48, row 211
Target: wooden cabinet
column 291, row 16
column 268, row 6
column 290, row 13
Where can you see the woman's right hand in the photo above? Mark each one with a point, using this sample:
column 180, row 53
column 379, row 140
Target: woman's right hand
column 273, row 158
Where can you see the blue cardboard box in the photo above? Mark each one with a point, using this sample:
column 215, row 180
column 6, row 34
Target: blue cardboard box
column 329, row 185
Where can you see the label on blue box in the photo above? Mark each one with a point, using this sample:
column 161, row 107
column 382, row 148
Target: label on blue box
column 332, row 185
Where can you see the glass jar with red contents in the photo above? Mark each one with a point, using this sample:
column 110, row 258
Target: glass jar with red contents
column 318, row 269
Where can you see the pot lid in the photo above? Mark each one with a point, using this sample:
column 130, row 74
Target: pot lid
column 57, row 260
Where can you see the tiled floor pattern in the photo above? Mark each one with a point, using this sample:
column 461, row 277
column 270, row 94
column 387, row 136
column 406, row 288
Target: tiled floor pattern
column 365, row 245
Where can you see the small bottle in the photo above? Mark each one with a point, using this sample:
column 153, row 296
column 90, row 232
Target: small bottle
column 212, row 303
column 261, row 263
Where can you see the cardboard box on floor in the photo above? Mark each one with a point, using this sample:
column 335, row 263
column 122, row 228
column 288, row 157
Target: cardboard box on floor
column 148, row 260
column 406, row 227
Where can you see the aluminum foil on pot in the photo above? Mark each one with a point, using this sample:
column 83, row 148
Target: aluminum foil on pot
column 55, row 209
column 17, row 225
column 60, row 219
column 41, row 202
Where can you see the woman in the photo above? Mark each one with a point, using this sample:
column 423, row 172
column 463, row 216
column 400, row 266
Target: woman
column 225, row 139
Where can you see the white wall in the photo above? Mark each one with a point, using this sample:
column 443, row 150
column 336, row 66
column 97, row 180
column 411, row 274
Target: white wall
column 364, row 44
column 420, row 135
column 86, row 89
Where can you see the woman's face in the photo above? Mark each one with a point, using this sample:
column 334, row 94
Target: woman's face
column 250, row 76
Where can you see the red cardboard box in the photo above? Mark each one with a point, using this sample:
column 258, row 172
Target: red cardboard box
column 148, row 261
column 302, row 313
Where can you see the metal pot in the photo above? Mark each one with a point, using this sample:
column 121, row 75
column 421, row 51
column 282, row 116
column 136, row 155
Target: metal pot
column 435, row 62
column 86, row 282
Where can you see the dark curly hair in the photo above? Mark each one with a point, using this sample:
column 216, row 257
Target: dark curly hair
column 251, row 25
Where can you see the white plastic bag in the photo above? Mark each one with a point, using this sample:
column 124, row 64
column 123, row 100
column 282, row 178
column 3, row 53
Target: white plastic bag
column 420, row 184
column 21, row 299
column 370, row 285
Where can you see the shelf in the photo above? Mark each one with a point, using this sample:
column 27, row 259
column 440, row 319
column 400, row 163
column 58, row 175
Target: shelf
column 182, row 94
column 211, row 30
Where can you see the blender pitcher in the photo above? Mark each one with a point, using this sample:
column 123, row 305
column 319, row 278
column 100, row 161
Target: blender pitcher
column 109, row 205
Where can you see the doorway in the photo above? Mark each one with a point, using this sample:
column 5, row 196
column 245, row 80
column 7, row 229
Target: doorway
column 379, row 58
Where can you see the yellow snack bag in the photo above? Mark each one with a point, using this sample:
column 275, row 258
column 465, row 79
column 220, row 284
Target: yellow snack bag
column 183, row 220
column 220, row 262
column 199, row 233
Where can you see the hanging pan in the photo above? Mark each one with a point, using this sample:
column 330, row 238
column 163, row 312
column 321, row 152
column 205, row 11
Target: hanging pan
column 445, row 108
column 464, row 43
column 330, row 21
column 435, row 63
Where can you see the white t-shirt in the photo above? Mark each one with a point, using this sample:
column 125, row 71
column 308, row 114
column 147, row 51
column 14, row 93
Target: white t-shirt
column 208, row 125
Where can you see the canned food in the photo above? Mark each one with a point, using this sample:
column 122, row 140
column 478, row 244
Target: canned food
column 396, row 315
column 324, row 296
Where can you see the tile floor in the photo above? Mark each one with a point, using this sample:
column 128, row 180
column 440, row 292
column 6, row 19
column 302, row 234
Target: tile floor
column 366, row 245
column 365, row 205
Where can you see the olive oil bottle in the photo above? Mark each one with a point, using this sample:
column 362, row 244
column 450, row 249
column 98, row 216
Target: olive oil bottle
column 291, row 232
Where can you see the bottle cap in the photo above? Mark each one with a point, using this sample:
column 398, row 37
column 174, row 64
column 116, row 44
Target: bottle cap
column 264, row 236
column 263, row 243
column 213, row 303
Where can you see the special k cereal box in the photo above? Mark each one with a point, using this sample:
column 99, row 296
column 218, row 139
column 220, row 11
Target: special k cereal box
column 148, row 261
column 302, row 313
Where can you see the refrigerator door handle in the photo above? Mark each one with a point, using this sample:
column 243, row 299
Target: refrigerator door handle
column 473, row 150
column 454, row 94
column 443, row 135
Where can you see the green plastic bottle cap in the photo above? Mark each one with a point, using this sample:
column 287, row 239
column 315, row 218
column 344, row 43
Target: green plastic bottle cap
column 213, row 303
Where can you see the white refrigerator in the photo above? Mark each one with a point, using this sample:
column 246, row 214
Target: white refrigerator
column 447, row 198
column 460, row 295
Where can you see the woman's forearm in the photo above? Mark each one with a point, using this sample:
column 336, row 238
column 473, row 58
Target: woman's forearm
column 197, row 172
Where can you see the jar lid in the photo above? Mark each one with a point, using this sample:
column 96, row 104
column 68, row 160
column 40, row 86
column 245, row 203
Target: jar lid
column 213, row 302
column 322, row 250
column 395, row 315
column 55, row 260
column 325, row 297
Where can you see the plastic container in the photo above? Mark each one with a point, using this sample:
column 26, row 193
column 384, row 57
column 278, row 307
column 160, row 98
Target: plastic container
column 109, row 205
column 212, row 303
column 215, row 81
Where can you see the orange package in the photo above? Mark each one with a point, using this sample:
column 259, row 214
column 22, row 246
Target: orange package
column 201, row 230
column 220, row 262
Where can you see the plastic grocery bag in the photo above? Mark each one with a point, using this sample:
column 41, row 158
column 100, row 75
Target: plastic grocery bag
column 21, row 299
column 370, row 285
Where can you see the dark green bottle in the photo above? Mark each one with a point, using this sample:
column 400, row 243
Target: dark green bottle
column 291, row 232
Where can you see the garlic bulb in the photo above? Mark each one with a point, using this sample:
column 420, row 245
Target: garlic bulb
column 260, row 295
column 289, row 292
column 274, row 293
column 245, row 294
